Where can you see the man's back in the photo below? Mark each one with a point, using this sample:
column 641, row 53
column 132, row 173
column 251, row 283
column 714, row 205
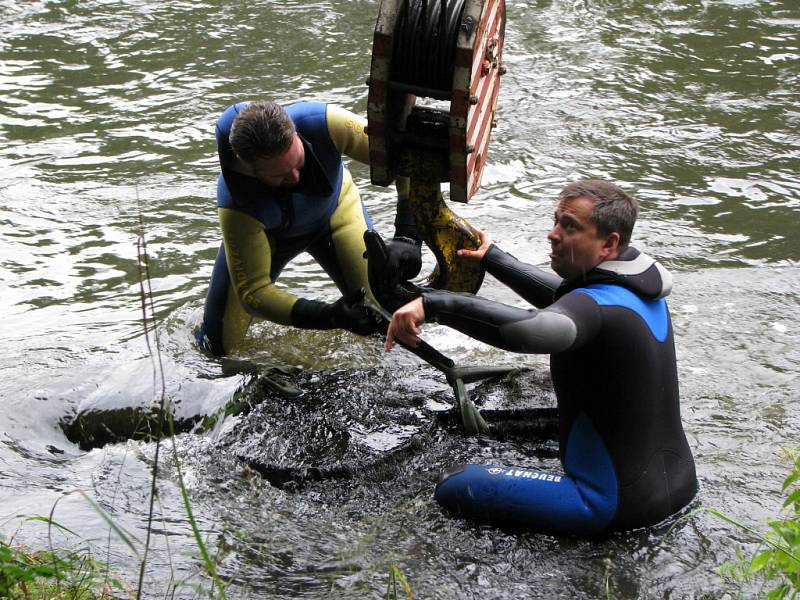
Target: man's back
column 622, row 375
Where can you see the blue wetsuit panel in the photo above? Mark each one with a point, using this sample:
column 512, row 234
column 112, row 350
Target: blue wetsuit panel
column 581, row 503
column 587, row 461
column 224, row 123
column 652, row 312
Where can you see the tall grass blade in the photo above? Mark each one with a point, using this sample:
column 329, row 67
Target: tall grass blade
column 207, row 562
column 146, row 298
column 148, row 310
column 127, row 537
column 395, row 575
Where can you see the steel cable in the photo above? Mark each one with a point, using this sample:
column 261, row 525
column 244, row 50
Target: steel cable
column 425, row 43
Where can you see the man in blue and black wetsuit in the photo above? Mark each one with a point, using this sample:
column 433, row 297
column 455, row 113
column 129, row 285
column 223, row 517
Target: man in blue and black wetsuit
column 605, row 323
column 283, row 189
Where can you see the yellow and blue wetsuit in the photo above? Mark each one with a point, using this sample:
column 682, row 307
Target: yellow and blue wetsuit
column 263, row 228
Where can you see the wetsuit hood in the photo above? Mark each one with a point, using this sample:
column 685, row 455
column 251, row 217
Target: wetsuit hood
column 632, row 269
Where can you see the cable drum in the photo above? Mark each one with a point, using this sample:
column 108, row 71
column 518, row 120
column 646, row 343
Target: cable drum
column 425, row 43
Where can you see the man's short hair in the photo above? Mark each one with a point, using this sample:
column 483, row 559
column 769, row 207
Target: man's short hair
column 613, row 211
column 261, row 130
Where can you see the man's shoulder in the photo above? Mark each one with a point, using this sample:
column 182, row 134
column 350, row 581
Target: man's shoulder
column 306, row 109
column 609, row 294
column 613, row 295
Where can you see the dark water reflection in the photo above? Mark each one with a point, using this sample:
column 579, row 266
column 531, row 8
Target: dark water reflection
column 106, row 118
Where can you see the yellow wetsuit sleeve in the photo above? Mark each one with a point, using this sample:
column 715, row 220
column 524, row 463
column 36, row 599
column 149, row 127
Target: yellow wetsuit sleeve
column 249, row 256
column 348, row 132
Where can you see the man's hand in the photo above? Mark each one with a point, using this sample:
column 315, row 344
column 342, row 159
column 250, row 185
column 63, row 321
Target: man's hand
column 405, row 325
column 349, row 313
column 478, row 253
column 404, row 259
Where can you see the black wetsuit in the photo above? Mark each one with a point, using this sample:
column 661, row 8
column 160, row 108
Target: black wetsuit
column 626, row 460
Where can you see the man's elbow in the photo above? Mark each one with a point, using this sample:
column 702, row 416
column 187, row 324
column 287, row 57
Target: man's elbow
column 545, row 333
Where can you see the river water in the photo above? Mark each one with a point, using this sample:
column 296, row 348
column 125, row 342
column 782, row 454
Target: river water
column 106, row 121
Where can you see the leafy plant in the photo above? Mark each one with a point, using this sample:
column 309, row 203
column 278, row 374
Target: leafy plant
column 18, row 569
column 777, row 562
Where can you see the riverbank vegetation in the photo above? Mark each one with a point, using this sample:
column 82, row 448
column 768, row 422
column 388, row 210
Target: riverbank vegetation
column 773, row 570
column 55, row 575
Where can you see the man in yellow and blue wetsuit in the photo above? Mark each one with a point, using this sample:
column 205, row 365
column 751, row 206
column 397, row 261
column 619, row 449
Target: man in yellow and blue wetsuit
column 283, row 190
column 603, row 319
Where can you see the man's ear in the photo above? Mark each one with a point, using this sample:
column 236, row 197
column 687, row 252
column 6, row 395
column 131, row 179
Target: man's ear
column 610, row 247
column 243, row 167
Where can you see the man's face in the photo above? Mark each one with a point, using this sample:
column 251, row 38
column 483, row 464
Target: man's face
column 282, row 170
column 576, row 244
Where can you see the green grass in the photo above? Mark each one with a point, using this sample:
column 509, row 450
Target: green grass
column 55, row 575
column 396, row 576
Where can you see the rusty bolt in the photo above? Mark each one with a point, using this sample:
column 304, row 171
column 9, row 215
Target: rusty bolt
column 491, row 48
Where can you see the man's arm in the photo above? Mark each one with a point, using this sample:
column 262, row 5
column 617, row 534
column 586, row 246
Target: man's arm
column 404, row 224
column 507, row 327
column 248, row 254
column 405, row 248
column 534, row 285
column 348, row 133
column 249, row 257
column 531, row 283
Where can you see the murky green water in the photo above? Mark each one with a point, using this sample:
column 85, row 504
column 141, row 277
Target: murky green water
column 106, row 116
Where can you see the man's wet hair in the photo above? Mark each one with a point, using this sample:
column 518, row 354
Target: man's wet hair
column 263, row 129
column 613, row 211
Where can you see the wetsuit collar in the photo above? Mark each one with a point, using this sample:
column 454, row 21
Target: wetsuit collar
column 313, row 180
column 632, row 269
